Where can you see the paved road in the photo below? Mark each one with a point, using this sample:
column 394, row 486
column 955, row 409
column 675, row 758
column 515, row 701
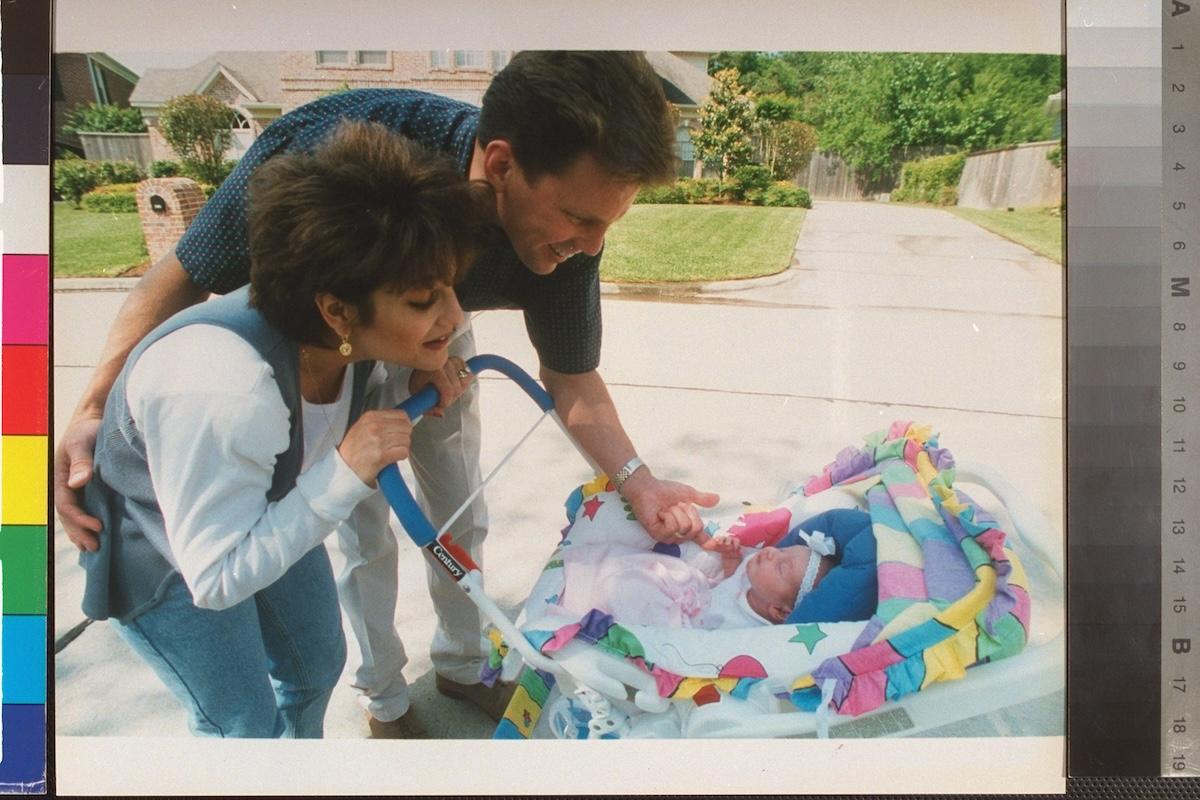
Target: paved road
column 888, row 312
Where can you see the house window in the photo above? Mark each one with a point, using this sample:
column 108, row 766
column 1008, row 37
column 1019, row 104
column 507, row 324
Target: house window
column 685, row 151
column 328, row 57
column 470, row 58
column 439, row 59
column 500, row 59
column 374, row 57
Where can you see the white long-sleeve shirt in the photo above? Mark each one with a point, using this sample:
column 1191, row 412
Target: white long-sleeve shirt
column 213, row 420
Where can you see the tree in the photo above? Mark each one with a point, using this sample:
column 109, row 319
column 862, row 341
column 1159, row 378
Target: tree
column 104, row 118
column 782, row 143
column 726, row 124
column 199, row 129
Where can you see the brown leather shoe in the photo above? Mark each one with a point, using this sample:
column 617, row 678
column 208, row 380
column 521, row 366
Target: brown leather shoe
column 492, row 700
column 408, row 726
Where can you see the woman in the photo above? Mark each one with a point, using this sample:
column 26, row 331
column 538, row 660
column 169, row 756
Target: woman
column 235, row 439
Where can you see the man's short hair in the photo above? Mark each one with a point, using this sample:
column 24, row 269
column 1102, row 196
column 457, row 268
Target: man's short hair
column 367, row 209
column 553, row 106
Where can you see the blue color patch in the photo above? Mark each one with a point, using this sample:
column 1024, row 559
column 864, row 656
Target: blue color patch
column 23, row 766
column 912, row 641
column 24, row 659
column 507, row 730
column 905, row 677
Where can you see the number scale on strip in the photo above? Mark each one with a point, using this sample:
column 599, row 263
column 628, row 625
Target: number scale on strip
column 1180, row 716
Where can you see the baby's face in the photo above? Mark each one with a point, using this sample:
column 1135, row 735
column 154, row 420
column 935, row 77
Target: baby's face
column 775, row 576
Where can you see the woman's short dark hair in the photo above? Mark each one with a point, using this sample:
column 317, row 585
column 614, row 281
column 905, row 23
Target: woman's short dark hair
column 367, row 209
column 553, row 106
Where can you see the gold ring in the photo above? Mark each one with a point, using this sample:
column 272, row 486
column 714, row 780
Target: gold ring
column 463, row 374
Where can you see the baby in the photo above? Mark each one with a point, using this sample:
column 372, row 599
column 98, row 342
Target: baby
column 717, row 583
column 762, row 587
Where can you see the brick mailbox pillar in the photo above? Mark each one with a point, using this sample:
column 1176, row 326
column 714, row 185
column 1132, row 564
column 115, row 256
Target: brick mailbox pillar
column 166, row 206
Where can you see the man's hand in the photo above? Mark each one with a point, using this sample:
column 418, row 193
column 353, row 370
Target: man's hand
column 667, row 509
column 72, row 471
column 449, row 381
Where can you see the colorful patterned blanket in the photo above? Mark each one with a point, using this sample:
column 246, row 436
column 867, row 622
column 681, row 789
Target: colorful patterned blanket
column 951, row 595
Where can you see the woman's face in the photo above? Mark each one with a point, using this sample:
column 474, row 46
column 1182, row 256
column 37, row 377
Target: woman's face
column 412, row 327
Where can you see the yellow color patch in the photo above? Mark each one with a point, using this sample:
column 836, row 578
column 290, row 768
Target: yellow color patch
column 948, row 661
column 25, row 501
column 523, row 712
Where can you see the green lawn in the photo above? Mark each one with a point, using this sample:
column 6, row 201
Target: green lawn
column 660, row 243
column 89, row 244
column 1039, row 229
column 651, row 244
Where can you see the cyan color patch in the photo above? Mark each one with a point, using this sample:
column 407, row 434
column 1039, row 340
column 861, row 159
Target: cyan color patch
column 24, row 659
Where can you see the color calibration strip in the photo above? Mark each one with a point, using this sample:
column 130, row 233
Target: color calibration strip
column 24, row 407
column 1114, row 180
column 1180, row 650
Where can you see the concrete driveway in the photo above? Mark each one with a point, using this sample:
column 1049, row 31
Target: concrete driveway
column 888, row 312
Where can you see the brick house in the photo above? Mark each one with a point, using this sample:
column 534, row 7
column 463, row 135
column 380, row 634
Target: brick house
column 262, row 86
column 81, row 78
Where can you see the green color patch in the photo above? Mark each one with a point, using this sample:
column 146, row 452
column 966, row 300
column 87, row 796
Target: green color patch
column 23, row 556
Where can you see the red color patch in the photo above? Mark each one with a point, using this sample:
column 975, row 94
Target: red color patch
column 26, row 393
column 743, row 667
column 708, row 694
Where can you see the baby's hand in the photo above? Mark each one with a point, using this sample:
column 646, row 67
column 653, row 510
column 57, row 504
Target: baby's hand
column 725, row 545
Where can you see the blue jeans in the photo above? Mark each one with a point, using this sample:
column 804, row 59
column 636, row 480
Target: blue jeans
column 262, row 668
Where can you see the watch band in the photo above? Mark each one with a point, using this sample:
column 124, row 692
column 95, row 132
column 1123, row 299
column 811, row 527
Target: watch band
column 625, row 472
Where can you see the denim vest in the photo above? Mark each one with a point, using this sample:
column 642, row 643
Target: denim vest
column 128, row 574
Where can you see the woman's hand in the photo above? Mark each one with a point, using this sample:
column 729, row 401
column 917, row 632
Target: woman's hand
column 451, row 381
column 376, row 439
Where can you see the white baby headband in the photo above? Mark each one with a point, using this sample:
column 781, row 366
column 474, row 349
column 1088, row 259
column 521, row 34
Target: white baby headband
column 820, row 545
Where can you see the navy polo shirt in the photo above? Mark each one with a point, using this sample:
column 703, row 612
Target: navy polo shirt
column 562, row 309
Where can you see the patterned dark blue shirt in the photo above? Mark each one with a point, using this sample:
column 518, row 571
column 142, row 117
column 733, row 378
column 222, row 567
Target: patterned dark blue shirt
column 562, row 309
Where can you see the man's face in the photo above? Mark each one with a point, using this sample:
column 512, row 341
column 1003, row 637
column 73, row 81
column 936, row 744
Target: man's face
column 559, row 215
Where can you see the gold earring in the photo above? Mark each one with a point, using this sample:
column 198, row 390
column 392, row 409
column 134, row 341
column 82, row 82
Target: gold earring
column 345, row 349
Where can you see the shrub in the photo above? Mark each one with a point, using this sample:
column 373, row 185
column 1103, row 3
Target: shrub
column 213, row 178
column 117, row 197
column 783, row 193
column 1055, row 155
column 751, row 178
column 121, row 172
column 73, row 178
column 164, row 169
column 702, row 190
column 198, row 128
column 927, row 180
column 672, row 193
column 104, row 118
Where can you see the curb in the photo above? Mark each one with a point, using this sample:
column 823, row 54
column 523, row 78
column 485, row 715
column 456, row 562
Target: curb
column 94, row 284
column 691, row 289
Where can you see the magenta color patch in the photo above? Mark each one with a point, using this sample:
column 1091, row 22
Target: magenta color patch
column 901, row 580
column 26, row 300
column 866, row 694
column 897, row 429
column 560, row 638
column 992, row 540
column 907, row 490
column 1021, row 610
column 871, row 659
column 667, row 682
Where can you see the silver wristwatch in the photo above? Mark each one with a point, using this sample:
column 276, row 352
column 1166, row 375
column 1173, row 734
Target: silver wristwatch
column 623, row 474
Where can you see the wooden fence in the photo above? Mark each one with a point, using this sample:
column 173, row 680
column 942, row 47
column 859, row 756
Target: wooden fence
column 133, row 147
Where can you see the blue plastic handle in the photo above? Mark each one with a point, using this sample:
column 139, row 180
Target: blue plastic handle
column 414, row 521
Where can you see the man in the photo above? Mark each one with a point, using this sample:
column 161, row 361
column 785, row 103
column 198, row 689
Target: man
column 563, row 142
